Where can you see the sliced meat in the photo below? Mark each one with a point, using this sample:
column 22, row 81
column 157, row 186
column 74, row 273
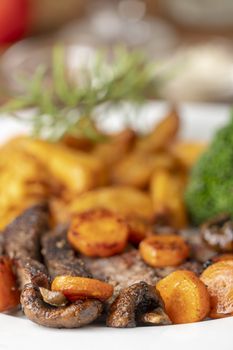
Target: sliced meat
column 75, row 315
column 193, row 266
column 22, row 242
column 133, row 302
column 31, row 271
column 59, row 257
column 200, row 251
column 22, row 236
column 122, row 270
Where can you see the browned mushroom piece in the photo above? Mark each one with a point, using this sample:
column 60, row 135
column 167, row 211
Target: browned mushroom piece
column 52, row 297
column 74, row 315
column 218, row 233
column 131, row 304
column 156, row 317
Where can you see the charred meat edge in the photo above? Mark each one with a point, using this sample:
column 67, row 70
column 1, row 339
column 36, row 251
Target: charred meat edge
column 22, row 243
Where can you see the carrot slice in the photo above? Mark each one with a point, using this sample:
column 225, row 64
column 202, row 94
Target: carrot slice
column 164, row 250
column 219, row 281
column 98, row 232
column 185, row 297
column 9, row 294
column 75, row 288
column 222, row 257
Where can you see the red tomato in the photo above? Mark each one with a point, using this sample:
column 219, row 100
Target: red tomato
column 13, row 20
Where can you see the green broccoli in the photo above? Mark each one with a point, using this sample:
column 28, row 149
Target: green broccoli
column 210, row 188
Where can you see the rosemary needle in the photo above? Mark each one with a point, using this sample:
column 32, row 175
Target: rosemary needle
column 64, row 107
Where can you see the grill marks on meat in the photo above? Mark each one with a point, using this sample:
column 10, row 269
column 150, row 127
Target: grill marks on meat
column 22, row 236
column 59, row 257
column 22, row 242
column 133, row 302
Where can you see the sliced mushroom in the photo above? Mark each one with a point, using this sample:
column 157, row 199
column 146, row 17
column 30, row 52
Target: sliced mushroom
column 133, row 302
column 218, row 233
column 75, row 315
column 53, row 298
column 156, row 317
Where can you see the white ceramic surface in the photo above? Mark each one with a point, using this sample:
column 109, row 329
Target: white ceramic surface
column 198, row 122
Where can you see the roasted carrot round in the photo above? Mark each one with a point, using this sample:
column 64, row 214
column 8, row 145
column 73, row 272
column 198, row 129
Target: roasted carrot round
column 164, row 250
column 219, row 281
column 222, row 257
column 99, row 233
column 185, row 297
column 9, row 294
column 75, row 288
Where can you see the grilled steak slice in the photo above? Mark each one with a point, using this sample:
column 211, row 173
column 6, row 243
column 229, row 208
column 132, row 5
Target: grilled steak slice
column 22, row 236
column 131, row 304
column 122, row 270
column 59, row 257
column 31, row 271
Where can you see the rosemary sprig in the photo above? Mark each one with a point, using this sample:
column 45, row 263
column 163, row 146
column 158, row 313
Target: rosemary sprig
column 64, row 107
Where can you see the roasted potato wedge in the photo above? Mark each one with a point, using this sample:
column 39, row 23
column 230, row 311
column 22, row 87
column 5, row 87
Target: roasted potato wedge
column 23, row 182
column 115, row 147
column 98, row 233
column 188, row 152
column 162, row 135
column 74, row 171
column 167, row 197
column 136, row 168
column 125, row 201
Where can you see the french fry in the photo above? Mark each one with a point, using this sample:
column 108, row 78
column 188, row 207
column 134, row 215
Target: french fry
column 185, row 297
column 75, row 288
column 219, row 281
column 9, row 294
column 136, row 168
column 98, row 233
column 162, row 135
column 167, row 197
column 188, row 152
column 164, row 250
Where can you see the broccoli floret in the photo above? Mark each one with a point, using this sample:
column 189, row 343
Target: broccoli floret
column 210, row 188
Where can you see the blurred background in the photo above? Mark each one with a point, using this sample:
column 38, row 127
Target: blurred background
column 191, row 40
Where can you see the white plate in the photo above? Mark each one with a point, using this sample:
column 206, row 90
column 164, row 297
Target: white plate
column 198, row 122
